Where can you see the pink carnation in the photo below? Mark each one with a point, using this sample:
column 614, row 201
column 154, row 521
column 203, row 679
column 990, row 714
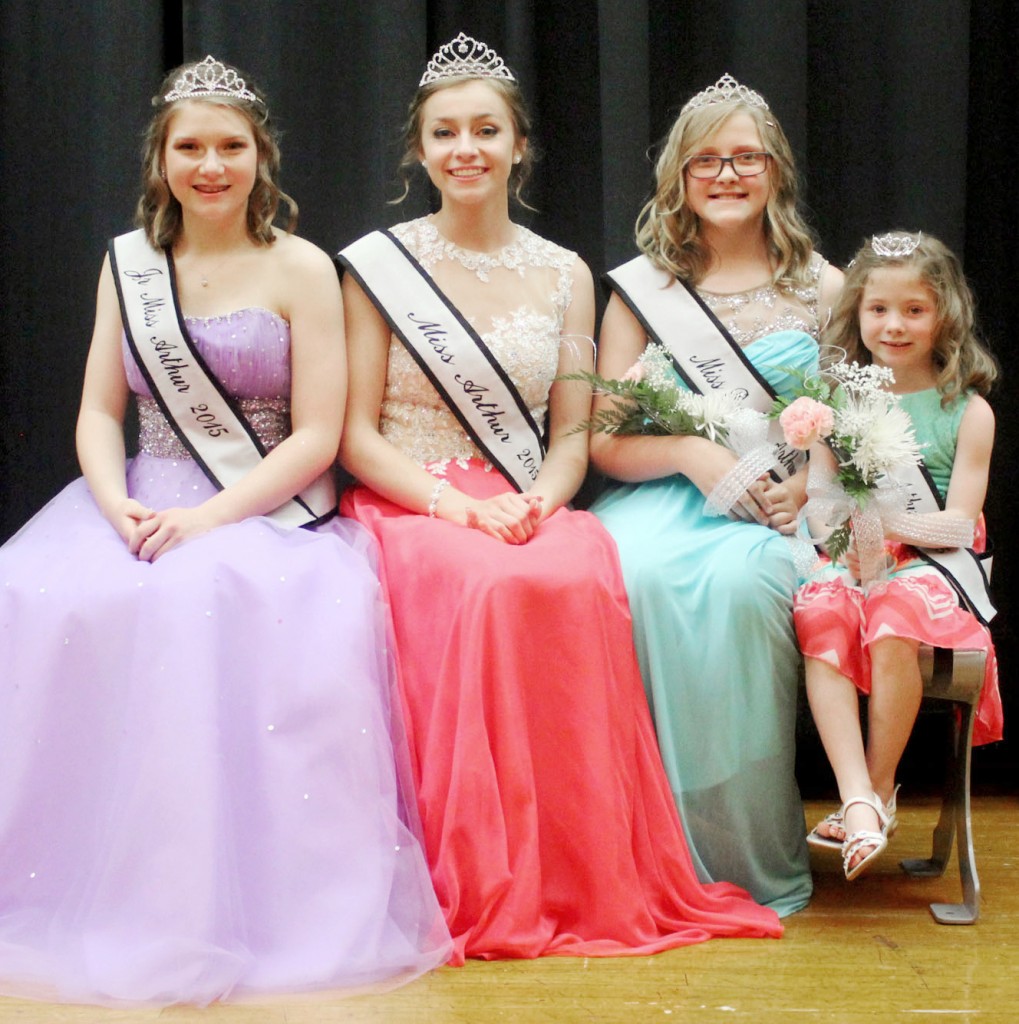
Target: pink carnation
column 806, row 421
column 635, row 373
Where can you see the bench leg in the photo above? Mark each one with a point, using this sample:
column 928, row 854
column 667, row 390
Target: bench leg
column 955, row 818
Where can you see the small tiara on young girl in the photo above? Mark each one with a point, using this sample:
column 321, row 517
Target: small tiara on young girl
column 209, row 77
column 465, row 57
column 894, row 244
column 725, row 89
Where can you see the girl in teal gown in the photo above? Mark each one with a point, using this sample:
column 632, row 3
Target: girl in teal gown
column 711, row 596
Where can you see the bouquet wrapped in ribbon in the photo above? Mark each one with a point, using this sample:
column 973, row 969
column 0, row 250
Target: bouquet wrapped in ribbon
column 870, row 435
column 650, row 401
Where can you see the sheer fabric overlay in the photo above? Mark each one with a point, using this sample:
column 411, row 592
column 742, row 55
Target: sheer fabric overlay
column 547, row 818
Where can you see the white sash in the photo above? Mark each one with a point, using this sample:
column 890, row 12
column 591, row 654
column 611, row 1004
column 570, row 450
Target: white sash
column 207, row 420
column 966, row 571
column 703, row 352
column 450, row 353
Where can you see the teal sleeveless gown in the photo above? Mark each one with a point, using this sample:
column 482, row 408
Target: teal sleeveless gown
column 711, row 600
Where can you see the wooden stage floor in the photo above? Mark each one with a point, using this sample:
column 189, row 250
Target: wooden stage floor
column 867, row 952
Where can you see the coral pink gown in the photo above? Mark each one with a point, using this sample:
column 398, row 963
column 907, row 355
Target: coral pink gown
column 548, row 821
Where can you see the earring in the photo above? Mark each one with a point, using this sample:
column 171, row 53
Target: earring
column 424, row 163
column 162, row 173
column 517, row 159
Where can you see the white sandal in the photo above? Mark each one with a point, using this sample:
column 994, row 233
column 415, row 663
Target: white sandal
column 891, row 812
column 829, row 842
column 837, row 819
column 865, row 837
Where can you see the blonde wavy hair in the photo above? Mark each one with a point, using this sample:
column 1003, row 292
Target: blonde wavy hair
column 668, row 231
column 962, row 361
column 159, row 213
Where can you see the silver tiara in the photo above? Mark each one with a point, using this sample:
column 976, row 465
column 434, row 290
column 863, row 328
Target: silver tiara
column 209, row 78
column 465, row 57
column 895, row 244
column 725, row 89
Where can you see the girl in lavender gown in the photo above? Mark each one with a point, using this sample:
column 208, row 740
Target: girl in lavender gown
column 198, row 791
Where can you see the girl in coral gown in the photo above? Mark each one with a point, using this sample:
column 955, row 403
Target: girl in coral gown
column 548, row 822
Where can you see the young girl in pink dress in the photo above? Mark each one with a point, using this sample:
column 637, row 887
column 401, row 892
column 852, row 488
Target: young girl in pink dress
column 905, row 305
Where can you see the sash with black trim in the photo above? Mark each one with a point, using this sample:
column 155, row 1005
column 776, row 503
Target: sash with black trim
column 966, row 572
column 450, row 353
column 208, row 420
column 703, row 352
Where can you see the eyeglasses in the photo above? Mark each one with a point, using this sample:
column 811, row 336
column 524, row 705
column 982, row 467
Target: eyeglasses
column 746, row 165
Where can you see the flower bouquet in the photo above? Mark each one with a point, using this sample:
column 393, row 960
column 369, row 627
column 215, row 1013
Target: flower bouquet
column 650, row 402
column 869, row 433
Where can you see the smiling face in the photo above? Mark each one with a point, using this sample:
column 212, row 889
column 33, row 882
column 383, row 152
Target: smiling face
column 898, row 325
column 468, row 143
column 729, row 202
column 211, row 160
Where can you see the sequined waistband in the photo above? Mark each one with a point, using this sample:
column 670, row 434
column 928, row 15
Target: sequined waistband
column 269, row 417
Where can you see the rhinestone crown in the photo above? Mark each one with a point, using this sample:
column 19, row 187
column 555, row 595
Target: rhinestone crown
column 209, row 77
column 465, row 57
column 895, row 244
column 725, row 89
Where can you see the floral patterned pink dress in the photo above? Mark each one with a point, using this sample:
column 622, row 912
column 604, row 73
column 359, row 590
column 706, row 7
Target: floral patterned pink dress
column 837, row 622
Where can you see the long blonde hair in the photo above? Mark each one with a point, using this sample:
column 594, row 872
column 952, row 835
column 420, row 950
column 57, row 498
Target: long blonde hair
column 159, row 213
column 962, row 361
column 668, row 231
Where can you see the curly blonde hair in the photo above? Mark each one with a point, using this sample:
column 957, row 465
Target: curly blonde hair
column 159, row 213
column 668, row 231
column 962, row 361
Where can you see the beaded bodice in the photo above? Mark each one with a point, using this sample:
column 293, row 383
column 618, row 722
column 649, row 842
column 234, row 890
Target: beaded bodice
column 249, row 352
column 752, row 314
column 514, row 298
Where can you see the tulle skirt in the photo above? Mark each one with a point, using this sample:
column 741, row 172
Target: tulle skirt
column 199, row 797
column 548, row 822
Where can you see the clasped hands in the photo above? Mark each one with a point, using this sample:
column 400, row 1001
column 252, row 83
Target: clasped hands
column 766, row 501
column 150, row 534
column 511, row 518
column 770, row 503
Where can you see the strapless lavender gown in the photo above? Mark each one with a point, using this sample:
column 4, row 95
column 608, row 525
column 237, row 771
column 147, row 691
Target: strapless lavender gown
column 198, row 791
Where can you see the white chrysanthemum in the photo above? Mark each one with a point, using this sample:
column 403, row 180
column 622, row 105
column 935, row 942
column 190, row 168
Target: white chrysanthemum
column 884, row 438
column 713, row 412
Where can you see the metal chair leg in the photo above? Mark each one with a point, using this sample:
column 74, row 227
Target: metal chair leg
column 968, row 911
column 955, row 815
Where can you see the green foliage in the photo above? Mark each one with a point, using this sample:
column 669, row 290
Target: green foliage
column 641, row 409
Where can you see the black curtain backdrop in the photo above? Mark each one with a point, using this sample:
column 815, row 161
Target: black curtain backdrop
column 902, row 114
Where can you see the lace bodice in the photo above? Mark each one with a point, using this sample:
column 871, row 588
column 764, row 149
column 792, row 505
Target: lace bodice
column 515, row 298
column 752, row 314
column 249, row 352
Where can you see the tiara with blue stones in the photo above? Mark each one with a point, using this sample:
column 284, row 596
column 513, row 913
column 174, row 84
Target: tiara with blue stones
column 724, row 90
column 209, row 77
column 465, row 57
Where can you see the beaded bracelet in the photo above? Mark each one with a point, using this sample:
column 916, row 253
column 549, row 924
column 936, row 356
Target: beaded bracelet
column 433, row 503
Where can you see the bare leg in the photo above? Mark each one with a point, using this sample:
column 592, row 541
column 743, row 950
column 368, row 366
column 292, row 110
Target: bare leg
column 896, row 691
column 835, row 706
